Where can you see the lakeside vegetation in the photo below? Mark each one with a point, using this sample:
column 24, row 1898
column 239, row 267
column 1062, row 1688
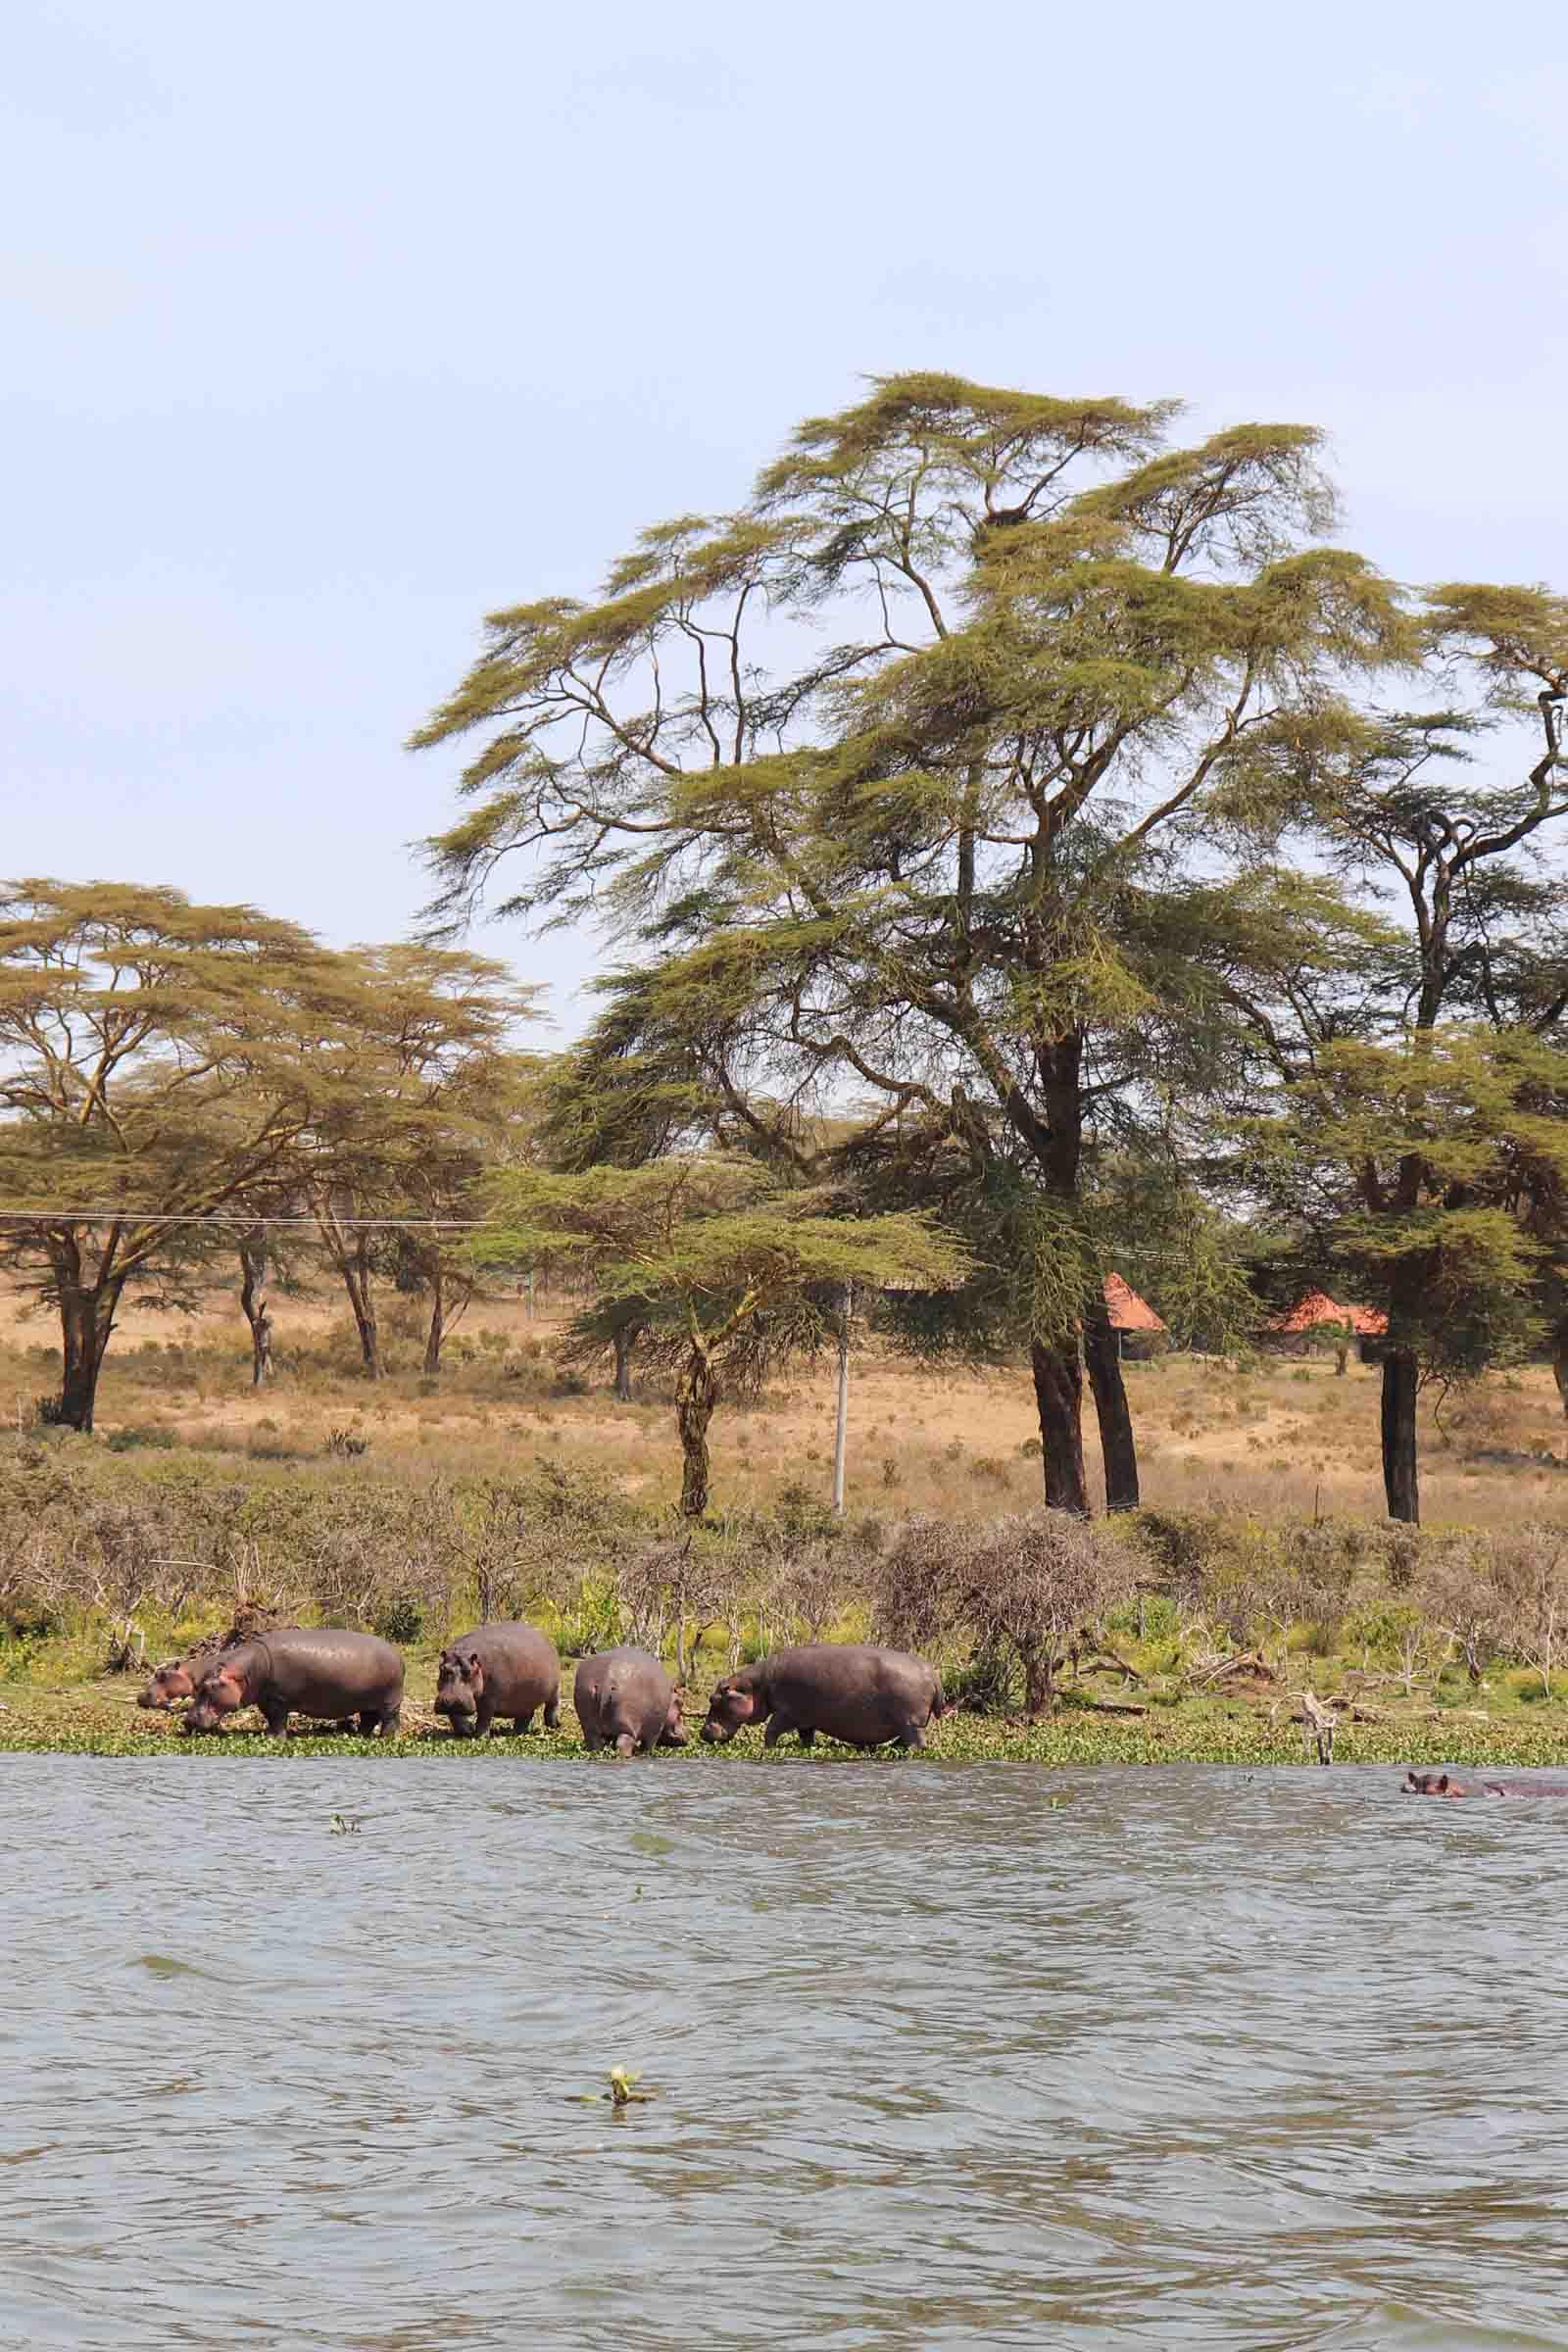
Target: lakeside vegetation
column 1254, row 1575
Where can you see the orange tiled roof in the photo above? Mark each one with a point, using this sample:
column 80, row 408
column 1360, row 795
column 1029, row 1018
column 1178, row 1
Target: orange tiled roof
column 1129, row 1312
column 1318, row 1307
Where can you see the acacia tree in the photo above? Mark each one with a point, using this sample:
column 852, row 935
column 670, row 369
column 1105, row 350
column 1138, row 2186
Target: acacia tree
column 157, row 1060
column 432, row 1082
column 876, row 761
column 1450, row 854
column 1408, row 1164
column 727, row 1267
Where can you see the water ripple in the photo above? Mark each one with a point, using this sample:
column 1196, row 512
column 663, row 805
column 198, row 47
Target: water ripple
column 1197, row 2059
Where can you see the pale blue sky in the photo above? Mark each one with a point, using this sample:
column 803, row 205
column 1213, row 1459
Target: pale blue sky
column 332, row 326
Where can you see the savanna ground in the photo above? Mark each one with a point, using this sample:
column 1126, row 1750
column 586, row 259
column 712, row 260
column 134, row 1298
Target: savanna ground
column 1260, row 1569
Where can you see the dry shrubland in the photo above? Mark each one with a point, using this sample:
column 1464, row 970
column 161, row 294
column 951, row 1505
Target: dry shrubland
column 133, row 1557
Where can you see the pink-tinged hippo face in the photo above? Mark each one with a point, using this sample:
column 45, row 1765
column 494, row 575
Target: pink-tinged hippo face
column 674, row 1733
column 217, row 1694
column 459, row 1689
column 732, row 1706
column 169, row 1683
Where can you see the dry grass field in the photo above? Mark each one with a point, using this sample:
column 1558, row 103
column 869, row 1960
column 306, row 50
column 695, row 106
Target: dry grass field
column 1278, row 1436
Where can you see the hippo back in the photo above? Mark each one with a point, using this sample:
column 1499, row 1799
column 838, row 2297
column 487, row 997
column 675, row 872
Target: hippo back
column 852, row 1690
column 327, row 1670
column 625, row 1689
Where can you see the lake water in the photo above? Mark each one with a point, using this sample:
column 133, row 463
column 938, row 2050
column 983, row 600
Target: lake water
column 940, row 2057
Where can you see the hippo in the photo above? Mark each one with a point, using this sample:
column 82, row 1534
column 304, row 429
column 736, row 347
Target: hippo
column 174, row 1681
column 625, row 1699
column 177, row 1678
column 1438, row 1784
column 312, row 1670
column 852, row 1693
column 498, row 1670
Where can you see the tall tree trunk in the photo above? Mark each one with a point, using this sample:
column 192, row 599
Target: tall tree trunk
column 258, row 1312
column 696, row 1395
column 86, row 1319
column 438, row 1320
column 1058, row 1399
column 1400, row 1480
column 349, row 1252
column 1056, row 1142
column 355, row 1267
column 1103, row 1357
column 625, row 1342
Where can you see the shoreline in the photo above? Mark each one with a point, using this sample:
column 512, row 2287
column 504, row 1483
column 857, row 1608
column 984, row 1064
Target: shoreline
column 78, row 1721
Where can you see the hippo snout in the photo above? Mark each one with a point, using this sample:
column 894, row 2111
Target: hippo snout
column 714, row 1733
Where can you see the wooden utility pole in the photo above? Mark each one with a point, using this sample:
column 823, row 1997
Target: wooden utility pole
column 841, row 1433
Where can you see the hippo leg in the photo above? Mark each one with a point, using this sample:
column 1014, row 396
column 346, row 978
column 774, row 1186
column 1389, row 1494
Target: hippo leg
column 275, row 1712
column 553, row 1713
column 523, row 1723
column 591, row 1740
column 483, row 1718
column 913, row 1736
column 391, row 1721
column 779, row 1727
column 365, row 1722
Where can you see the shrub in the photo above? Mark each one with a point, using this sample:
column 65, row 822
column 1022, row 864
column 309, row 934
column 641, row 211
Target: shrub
column 1029, row 1587
column 400, row 1618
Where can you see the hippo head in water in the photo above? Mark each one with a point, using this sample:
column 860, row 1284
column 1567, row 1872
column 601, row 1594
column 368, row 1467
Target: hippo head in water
column 459, row 1689
column 169, row 1682
column 218, row 1694
column 733, row 1705
column 1432, row 1783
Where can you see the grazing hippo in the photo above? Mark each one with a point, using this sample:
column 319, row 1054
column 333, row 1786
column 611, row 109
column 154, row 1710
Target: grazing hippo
column 309, row 1670
column 177, row 1678
column 498, row 1670
column 848, row 1690
column 625, row 1699
column 174, row 1681
column 1439, row 1784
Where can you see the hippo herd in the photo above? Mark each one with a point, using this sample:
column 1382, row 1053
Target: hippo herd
column 848, row 1690
column 623, row 1697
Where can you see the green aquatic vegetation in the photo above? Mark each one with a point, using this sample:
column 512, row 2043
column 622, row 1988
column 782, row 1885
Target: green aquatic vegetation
column 623, row 2092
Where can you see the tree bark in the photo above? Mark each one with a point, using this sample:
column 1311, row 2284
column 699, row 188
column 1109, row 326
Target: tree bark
column 1057, row 1143
column 87, row 1320
column 625, row 1342
column 1103, row 1357
column 355, row 1267
column 1400, row 1479
column 258, row 1312
column 1058, row 1399
column 438, row 1322
column 1559, row 1362
column 696, row 1395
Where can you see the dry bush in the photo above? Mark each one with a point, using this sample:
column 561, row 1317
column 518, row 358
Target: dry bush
column 1030, row 1586
column 1453, row 1587
column 811, row 1587
column 1530, row 1577
column 682, row 1585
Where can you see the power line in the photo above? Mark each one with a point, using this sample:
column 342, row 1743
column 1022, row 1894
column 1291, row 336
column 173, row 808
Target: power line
column 156, row 1217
